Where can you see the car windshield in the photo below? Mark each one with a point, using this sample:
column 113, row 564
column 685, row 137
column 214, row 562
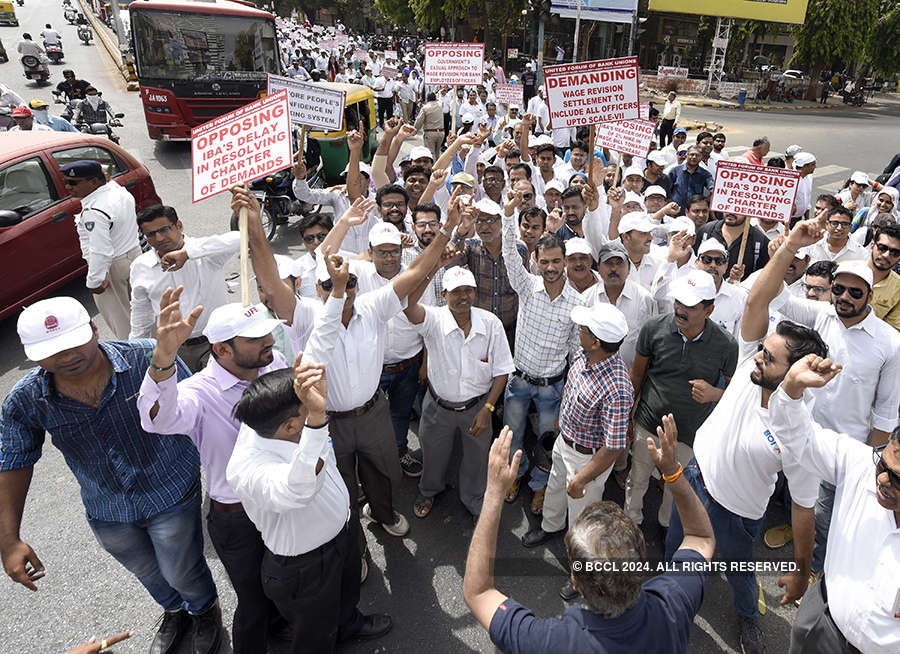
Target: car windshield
column 190, row 46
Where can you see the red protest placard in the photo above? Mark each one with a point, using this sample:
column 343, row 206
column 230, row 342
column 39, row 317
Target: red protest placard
column 629, row 136
column 454, row 64
column 509, row 94
column 754, row 191
column 241, row 146
column 592, row 91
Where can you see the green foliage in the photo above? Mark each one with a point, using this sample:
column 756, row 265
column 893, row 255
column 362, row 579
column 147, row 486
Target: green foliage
column 395, row 11
column 504, row 16
column 883, row 44
column 834, row 30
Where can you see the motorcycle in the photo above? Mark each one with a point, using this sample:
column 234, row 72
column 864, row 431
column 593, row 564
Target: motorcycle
column 85, row 34
column 277, row 202
column 103, row 128
column 35, row 69
column 54, row 52
column 69, row 111
column 70, row 15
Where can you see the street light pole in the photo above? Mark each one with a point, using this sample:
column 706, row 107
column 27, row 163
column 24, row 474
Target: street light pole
column 577, row 29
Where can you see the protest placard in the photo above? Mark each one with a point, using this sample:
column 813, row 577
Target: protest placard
column 509, row 94
column 629, row 136
column 245, row 144
column 454, row 63
column 390, row 54
column 389, row 72
column 313, row 105
column 360, row 55
column 674, row 72
column 592, row 91
column 645, row 110
column 754, row 191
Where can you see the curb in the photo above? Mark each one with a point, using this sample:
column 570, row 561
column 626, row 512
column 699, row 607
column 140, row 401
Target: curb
column 764, row 107
column 110, row 44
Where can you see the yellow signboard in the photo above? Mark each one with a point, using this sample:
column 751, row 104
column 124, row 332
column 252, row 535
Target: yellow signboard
column 779, row 11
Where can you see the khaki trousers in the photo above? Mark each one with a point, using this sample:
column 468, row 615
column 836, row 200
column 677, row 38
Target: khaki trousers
column 114, row 304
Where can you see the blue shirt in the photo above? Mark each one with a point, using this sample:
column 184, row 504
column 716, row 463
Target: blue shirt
column 685, row 184
column 59, row 124
column 125, row 473
column 660, row 622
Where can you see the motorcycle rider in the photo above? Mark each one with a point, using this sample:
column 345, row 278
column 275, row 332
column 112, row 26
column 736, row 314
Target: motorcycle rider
column 72, row 87
column 41, row 111
column 28, row 47
column 50, row 36
column 93, row 109
column 25, row 121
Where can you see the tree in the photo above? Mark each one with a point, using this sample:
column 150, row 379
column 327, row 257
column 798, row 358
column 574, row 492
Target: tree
column 503, row 17
column 883, row 46
column 395, row 11
column 832, row 33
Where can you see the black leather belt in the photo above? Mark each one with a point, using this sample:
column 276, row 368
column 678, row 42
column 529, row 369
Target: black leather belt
column 400, row 366
column 581, row 449
column 539, row 381
column 197, row 340
column 358, row 411
column 459, row 407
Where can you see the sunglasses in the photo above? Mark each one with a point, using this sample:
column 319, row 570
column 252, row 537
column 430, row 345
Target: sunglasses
column 328, row 285
column 895, row 252
column 312, row 238
column 881, row 466
column 838, row 290
column 719, row 261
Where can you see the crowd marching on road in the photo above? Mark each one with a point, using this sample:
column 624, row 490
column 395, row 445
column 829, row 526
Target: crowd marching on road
column 545, row 313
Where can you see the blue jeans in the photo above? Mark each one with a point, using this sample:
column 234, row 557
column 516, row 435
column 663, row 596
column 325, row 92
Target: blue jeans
column 824, row 508
column 735, row 539
column 165, row 553
column 516, row 400
column 401, row 389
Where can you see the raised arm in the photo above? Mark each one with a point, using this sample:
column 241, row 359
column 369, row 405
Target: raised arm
column 519, row 278
column 404, row 133
column 355, row 186
column 381, row 162
column 356, row 214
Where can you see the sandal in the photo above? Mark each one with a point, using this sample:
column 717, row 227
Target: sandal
column 422, row 506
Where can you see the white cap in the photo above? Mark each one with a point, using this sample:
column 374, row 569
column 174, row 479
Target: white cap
column 467, row 118
column 286, row 266
column 384, row 233
column 802, row 159
column 528, row 65
column 632, row 170
column 234, row 319
column 655, row 190
column 50, row 326
column 636, row 220
column 488, row 206
column 578, row 245
column 533, row 141
column 860, row 177
column 514, row 105
column 682, row 224
column 696, row 286
column 658, row 158
column 545, row 139
column 420, row 151
column 793, row 150
column 554, row 184
column 631, row 196
column 712, row 245
column 858, row 268
column 364, row 168
column 605, row 321
column 456, row 277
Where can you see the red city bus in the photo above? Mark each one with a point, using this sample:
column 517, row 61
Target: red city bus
column 199, row 59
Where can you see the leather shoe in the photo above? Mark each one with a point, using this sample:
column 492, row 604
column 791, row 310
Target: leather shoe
column 207, row 636
column 374, row 626
column 538, row 536
column 569, row 592
column 174, row 625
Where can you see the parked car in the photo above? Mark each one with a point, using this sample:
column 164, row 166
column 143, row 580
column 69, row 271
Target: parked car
column 39, row 246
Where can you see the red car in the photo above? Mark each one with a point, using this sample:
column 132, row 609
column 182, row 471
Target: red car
column 39, row 247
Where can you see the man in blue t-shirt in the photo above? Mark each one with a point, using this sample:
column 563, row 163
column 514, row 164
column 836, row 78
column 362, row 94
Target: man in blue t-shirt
column 622, row 615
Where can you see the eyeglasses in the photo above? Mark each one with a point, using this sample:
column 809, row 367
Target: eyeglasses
column 328, row 285
column 487, row 221
column 681, row 153
column 895, row 252
column 838, row 290
column 881, row 466
column 433, row 224
column 719, row 261
column 816, row 290
column 312, row 238
column 839, row 224
column 162, row 231
column 393, row 253
column 527, row 196
column 394, row 205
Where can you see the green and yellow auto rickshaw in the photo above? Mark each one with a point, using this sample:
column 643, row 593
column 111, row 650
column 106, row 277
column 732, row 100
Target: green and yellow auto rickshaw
column 359, row 106
column 8, row 14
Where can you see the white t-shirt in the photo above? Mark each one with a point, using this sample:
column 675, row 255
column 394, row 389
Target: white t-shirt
column 740, row 456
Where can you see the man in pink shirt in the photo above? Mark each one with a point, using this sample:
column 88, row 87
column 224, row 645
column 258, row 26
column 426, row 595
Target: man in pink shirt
column 201, row 408
column 757, row 153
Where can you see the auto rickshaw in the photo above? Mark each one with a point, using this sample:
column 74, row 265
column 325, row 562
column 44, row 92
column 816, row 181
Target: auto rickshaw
column 8, row 14
column 359, row 105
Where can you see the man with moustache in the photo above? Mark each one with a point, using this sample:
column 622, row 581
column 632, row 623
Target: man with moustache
column 426, row 222
column 545, row 335
column 837, row 245
column 635, row 234
column 201, row 408
column 415, row 179
column 690, row 178
column 583, row 215
column 862, row 402
column 885, row 251
column 697, row 210
column 392, row 201
column 730, row 231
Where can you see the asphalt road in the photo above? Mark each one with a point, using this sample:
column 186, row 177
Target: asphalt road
column 416, row 579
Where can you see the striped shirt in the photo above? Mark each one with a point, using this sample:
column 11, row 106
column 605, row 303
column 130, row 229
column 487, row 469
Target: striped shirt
column 125, row 473
column 545, row 333
column 596, row 403
column 493, row 292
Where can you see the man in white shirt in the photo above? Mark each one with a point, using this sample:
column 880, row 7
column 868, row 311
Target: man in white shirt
column 50, row 36
column 805, row 164
column 737, row 458
column 298, row 72
column 858, row 610
column 284, row 471
column 406, row 96
column 635, row 232
column 108, row 235
column 837, row 245
column 468, row 365
column 28, row 47
column 538, row 107
column 196, row 264
column 678, row 144
column 670, row 115
column 384, row 95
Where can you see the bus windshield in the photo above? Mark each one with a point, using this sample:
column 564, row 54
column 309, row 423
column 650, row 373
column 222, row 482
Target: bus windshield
column 176, row 45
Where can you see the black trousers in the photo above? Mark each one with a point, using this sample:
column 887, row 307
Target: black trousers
column 318, row 592
column 385, row 109
column 239, row 545
column 666, row 129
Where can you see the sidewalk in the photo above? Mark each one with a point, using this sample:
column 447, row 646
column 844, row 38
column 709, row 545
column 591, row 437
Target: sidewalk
column 834, row 102
column 105, row 36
